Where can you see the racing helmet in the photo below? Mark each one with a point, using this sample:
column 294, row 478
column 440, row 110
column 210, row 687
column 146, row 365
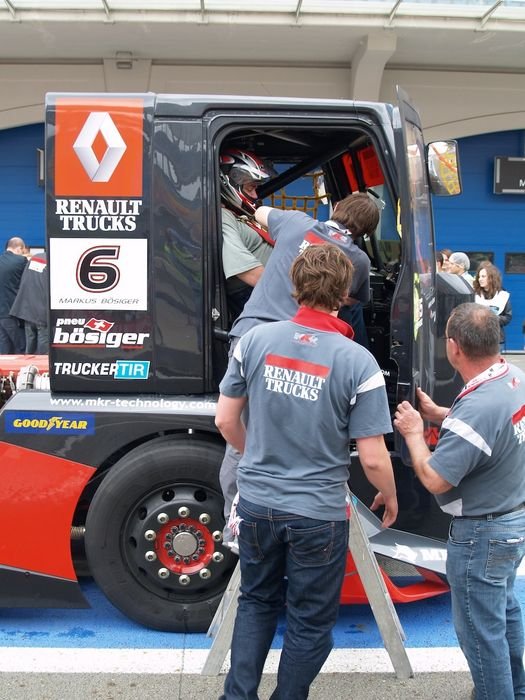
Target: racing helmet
column 238, row 169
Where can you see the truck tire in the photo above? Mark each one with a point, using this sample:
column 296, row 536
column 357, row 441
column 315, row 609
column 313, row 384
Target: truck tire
column 154, row 534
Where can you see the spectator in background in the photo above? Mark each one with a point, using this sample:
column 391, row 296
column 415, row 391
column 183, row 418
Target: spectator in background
column 31, row 305
column 459, row 264
column 445, row 254
column 439, row 262
column 488, row 291
column 12, row 265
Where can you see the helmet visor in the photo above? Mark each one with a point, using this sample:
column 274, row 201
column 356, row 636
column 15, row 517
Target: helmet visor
column 244, row 177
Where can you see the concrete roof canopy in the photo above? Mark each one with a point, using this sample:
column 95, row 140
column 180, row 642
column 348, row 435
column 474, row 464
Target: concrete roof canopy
column 473, row 35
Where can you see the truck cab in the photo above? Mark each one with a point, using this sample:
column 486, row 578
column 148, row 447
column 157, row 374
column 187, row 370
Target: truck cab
column 121, row 450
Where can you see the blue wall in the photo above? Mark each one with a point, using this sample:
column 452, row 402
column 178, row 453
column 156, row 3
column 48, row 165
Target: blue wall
column 21, row 199
column 478, row 220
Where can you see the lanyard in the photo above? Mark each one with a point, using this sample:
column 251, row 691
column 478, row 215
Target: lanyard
column 496, row 371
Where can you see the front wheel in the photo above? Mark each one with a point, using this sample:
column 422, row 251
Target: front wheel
column 154, row 534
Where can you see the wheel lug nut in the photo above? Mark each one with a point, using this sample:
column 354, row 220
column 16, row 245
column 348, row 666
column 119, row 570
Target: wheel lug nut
column 163, row 573
column 191, row 529
column 184, row 512
column 174, row 530
column 202, row 542
column 184, row 580
column 217, row 556
column 150, row 556
column 217, row 536
column 198, row 533
column 167, row 545
column 170, row 552
column 150, row 535
column 195, row 557
column 186, row 560
column 204, row 518
column 205, row 573
column 162, row 518
column 201, row 550
column 178, row 559
column 183, row 527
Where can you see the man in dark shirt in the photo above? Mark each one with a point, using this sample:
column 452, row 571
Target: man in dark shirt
column 12, row 265
column 32, row 303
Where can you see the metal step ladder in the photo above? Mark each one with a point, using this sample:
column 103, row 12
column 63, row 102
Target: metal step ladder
column 221, row 628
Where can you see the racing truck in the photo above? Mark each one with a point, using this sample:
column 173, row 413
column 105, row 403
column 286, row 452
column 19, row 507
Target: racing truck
column 110, row 462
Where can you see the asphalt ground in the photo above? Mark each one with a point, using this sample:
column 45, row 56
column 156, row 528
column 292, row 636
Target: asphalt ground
column 98, row 654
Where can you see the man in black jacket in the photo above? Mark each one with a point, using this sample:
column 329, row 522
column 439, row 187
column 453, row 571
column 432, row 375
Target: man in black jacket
column 12, row 265
column 31, row 304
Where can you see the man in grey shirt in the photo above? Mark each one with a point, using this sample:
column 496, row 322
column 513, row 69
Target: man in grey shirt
column 293, row 231
column 477, row 475
column 291, row 513
column 272, row 299
column 245, row 245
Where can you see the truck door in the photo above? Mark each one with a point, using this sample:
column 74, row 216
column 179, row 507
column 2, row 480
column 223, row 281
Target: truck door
column 414, row 303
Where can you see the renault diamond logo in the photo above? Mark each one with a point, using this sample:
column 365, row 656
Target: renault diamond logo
column 99, row 146
column 99, row 122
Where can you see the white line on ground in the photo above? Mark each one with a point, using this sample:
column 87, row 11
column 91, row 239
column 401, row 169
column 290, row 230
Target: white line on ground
column 159, row 661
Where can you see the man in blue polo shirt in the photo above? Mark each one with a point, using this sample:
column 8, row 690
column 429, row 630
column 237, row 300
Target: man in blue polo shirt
column 310, row 390
column 272, row 299
column 293, row 231
column 477, row 473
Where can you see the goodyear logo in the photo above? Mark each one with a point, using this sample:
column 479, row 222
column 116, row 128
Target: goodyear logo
column 39, row 423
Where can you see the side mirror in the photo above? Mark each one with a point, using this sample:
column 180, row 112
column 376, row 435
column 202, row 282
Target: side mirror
column 443, row 168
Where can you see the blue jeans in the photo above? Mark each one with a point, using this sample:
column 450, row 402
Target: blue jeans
column 482, row 559
column 354, row 316
column 312, row 554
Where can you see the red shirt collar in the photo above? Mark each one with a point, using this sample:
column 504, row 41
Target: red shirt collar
column 322, row 321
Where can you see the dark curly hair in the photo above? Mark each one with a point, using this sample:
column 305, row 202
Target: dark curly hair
column 493, row 277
